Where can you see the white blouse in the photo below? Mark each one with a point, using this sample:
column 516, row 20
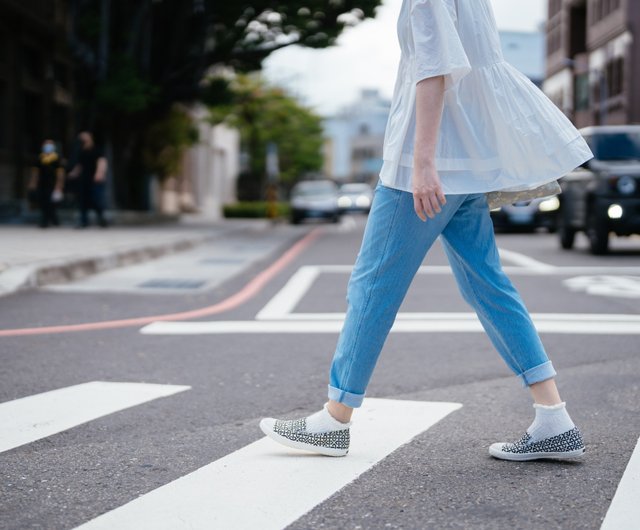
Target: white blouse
column 498, row 130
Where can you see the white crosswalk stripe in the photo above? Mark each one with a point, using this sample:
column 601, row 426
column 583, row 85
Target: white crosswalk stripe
column 593, row 324
column 266, row 486
column 34, row 417
column 624, row 512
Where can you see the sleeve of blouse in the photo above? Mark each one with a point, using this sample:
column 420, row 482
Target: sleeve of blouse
column 438, row 49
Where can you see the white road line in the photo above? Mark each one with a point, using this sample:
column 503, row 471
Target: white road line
column 288, row 297
column 266, row 486
column 524, row 261
column 591, row 324
column 606, row 285
column 30, row 418
column 520, row 271
column 624, row 511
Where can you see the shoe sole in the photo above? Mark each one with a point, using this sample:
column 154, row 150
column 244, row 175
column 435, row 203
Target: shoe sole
column 576, row 453
column 327, row 451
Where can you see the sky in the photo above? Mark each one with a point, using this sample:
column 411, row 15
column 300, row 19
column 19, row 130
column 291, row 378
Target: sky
column 327, row 80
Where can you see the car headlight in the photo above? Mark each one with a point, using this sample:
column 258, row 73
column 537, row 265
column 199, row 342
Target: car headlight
column 363, row 201
column 615, row 211
column 344, row 202
column 626, row 185
column 549, row 205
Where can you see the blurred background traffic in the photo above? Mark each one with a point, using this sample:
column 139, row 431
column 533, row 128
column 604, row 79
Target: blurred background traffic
column 149, row 110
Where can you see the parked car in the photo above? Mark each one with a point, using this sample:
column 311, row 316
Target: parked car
column 314, row 199
column 527, row 215
column 355, row 197
column 603, row 195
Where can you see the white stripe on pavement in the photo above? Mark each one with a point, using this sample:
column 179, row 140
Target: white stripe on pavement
column 624, row 512
column 267, row 486
column 511, row 270
column 288, row 297
column 588, row 324
column 524, row 261
column 30, row 418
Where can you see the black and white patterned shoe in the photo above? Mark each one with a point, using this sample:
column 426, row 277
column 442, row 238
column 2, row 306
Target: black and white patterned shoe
column 293, row 433
column 566, row 445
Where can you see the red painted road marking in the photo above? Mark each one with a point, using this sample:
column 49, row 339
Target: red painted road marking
column 247, row 292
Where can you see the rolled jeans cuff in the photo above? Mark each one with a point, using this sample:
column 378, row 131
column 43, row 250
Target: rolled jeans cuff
column 539, row 373
column 346, row 398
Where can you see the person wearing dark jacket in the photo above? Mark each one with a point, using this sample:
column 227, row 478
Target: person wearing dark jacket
column 90, row 172
column 47, row 180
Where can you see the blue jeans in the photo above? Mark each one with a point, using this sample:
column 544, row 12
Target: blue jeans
column 394, row 245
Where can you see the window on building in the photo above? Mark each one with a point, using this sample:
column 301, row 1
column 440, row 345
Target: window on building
column 577, row 30
column 582, row 92
column 615, row 77
column 599, row 9
column 363, row 153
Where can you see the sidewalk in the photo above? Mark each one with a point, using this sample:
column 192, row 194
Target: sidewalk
column 31, row 257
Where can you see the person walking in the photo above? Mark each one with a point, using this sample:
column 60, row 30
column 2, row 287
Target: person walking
column 47, row 181
column 466, row 131
column 90, row 173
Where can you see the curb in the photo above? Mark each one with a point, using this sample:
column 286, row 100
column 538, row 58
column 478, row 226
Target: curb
column 26, row 277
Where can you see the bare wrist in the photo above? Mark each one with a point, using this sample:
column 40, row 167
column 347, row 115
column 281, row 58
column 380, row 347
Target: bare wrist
column 424, row 162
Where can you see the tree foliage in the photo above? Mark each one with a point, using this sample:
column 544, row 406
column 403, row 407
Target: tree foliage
column 136, row 59
column 265, row 114
column 166, row 140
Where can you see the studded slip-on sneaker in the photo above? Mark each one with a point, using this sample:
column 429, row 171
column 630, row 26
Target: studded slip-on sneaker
column 293, row 433
column 566, row 445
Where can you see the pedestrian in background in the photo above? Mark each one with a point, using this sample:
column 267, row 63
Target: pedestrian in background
column 90, row 173
column 466, row 130
column 47, row 182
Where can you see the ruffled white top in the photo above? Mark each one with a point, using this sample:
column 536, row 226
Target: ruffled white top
column 498, row 131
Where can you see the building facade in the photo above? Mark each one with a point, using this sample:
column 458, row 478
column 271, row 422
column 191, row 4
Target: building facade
column 210, row 168
column 526, row 51
column 593, row 54
column 354, row 139
column 35, row 90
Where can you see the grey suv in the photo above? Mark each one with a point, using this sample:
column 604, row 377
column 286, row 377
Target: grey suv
column 603, row 195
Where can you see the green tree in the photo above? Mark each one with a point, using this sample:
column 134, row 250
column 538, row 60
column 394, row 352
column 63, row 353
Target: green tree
column 264, row 114
column 166, row 141
column 136, row 59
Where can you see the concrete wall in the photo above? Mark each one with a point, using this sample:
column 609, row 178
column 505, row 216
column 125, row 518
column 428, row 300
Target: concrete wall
column 211, row 167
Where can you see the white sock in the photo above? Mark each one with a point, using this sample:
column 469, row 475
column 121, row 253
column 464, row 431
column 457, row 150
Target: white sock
column 550, row 420
column 323, row 421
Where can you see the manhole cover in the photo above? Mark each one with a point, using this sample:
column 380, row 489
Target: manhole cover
column 172, row 284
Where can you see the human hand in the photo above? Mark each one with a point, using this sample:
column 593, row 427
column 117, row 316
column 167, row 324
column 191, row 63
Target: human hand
column 428, row 196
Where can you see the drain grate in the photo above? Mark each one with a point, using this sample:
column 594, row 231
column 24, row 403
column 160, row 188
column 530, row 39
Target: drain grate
column 169, row 283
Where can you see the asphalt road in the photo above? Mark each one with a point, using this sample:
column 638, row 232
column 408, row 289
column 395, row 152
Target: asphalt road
column 441, row 478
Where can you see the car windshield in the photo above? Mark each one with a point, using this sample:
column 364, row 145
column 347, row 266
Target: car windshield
column 313, row 189
column 355, row 188
column 616, row 146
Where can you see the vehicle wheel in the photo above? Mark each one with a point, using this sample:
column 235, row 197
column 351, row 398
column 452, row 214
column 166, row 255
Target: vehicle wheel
column 598, row 235
column 566, row 233
column 295, row 220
